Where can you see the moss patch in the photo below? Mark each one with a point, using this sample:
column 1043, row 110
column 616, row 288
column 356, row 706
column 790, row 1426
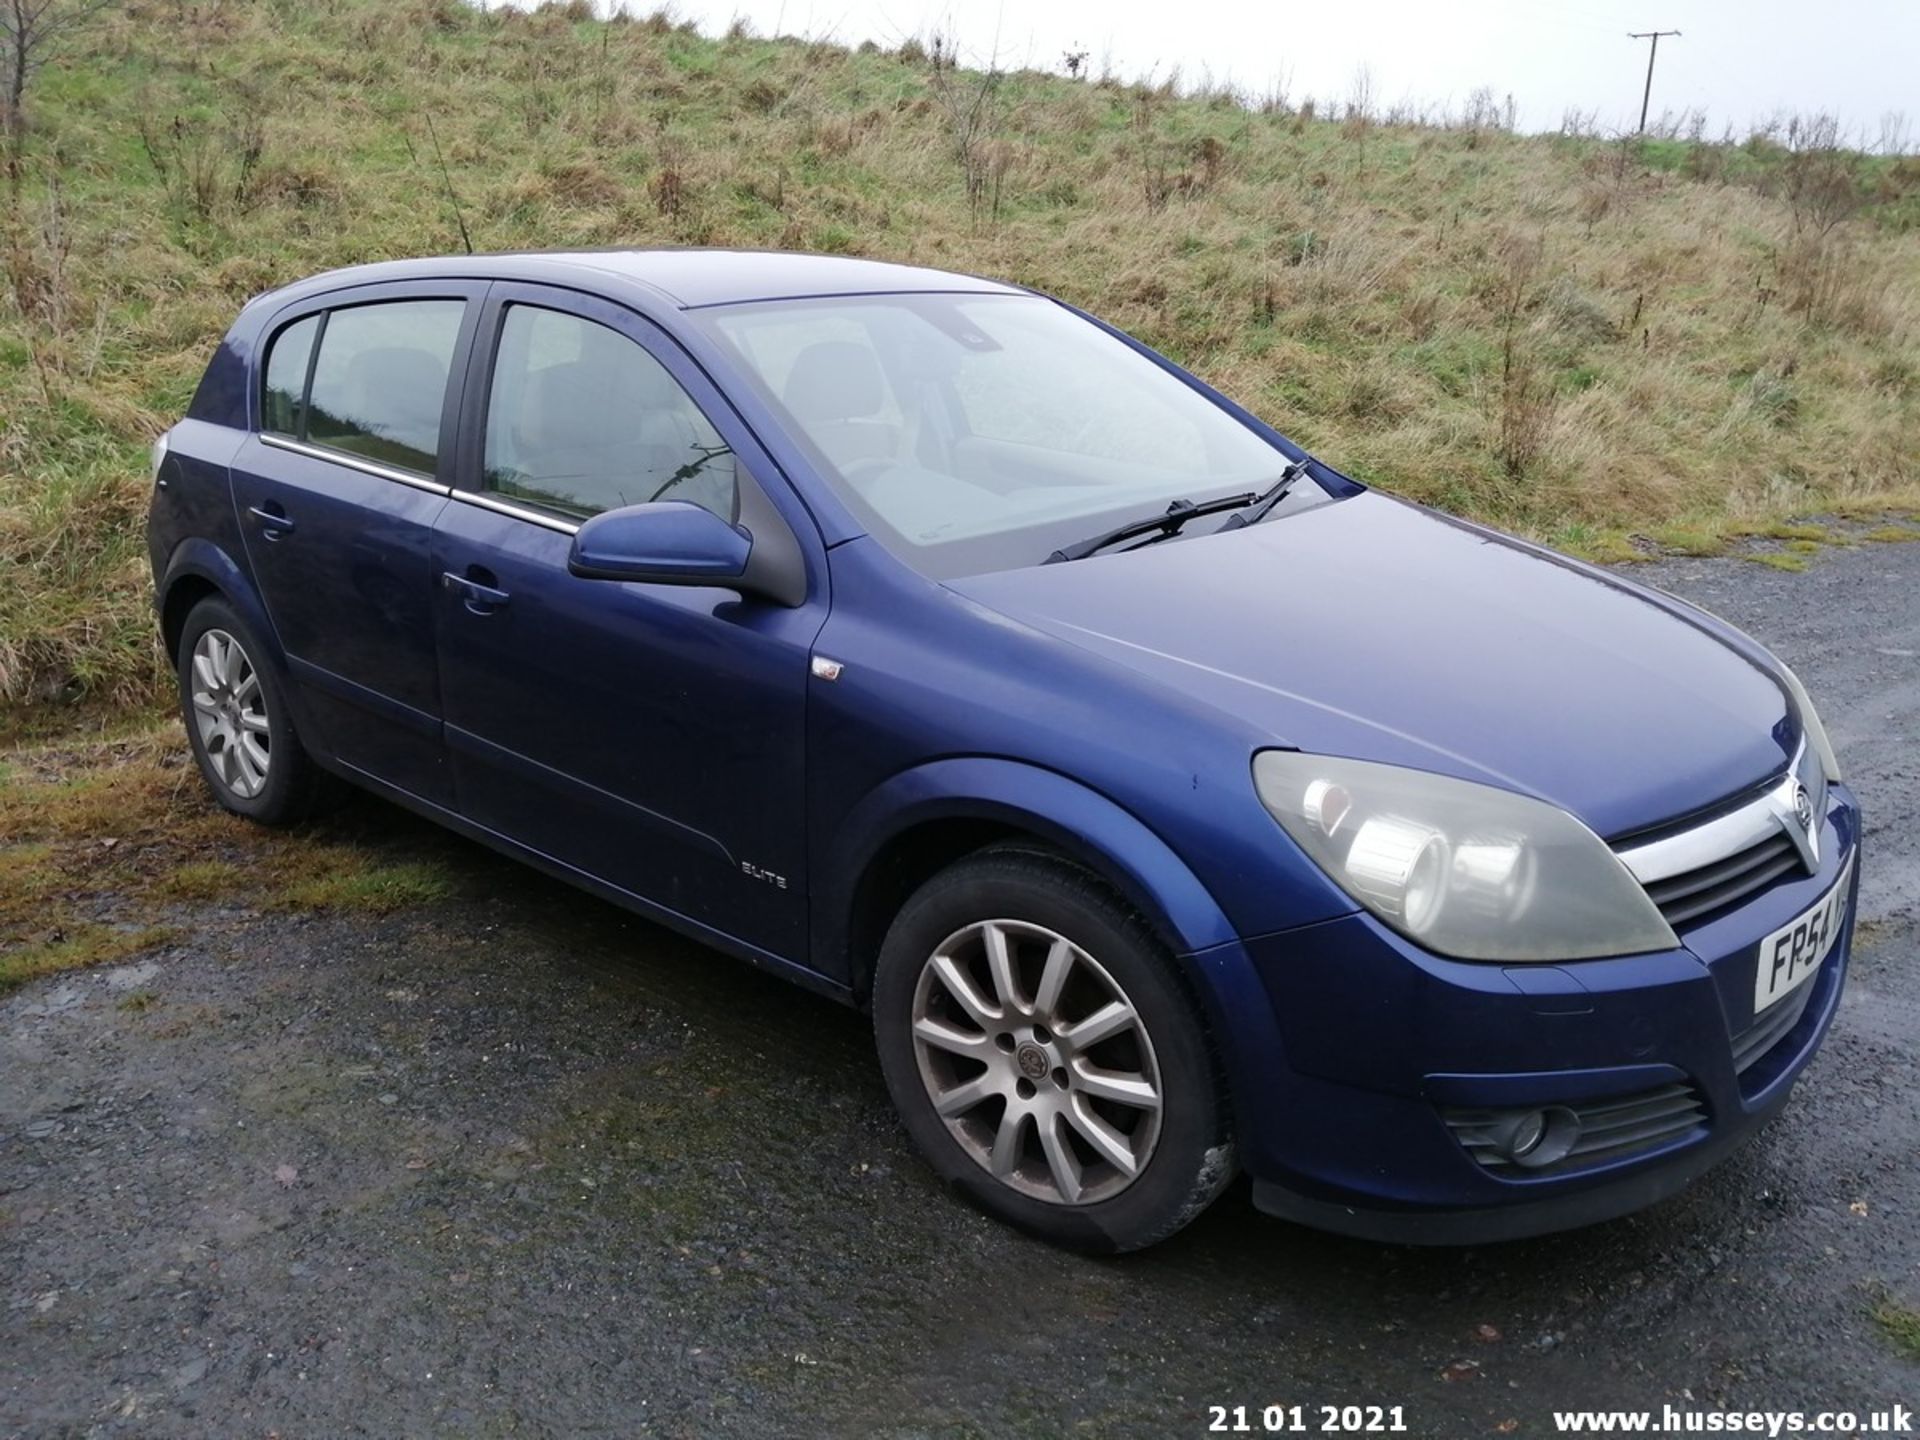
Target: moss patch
column 103, row 845
column 354, row 881
column 1901, row 1325
column 74, row 950
column 1682, row 540
column 1780, row 530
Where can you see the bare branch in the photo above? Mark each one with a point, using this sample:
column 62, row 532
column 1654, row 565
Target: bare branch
column 967, row 99
column 29, row 33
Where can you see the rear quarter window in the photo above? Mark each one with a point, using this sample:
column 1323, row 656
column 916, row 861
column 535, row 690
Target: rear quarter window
column 379, row 381
column 283, row 395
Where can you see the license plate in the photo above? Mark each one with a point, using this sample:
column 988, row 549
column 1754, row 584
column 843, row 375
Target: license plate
column 1793, row 952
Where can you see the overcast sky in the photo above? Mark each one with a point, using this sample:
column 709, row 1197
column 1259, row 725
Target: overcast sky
column 1739, row 60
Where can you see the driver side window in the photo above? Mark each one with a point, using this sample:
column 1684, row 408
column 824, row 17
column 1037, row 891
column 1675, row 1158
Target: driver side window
column 580, row 419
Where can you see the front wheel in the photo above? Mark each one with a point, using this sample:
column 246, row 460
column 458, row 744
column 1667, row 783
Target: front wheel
column 1046, row 1057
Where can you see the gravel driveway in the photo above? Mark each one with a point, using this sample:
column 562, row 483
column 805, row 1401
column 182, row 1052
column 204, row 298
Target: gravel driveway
column 515, row 1163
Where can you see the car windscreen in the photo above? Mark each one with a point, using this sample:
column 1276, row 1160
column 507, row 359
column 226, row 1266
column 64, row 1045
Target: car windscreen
column 978, row 432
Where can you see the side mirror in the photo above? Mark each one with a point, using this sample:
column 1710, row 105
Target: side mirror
column 675, row 542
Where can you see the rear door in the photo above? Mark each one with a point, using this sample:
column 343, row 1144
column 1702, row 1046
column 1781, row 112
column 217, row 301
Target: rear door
column 650, row 736
column 337, row 489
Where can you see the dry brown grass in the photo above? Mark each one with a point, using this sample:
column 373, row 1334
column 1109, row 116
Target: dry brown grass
column 1581, row 339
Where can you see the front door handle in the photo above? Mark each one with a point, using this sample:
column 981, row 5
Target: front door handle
column 481, row 598
column 274, row 522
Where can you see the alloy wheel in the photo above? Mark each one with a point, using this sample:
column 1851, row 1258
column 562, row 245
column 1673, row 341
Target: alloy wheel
column 1037, row 1062
column 230, row 713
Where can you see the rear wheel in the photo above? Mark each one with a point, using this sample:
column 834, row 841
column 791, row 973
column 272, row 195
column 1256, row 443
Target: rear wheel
column 238, row 723
column 1045, row 1055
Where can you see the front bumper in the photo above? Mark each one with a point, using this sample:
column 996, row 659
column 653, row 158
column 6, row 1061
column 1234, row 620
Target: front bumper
column 1369, row 1045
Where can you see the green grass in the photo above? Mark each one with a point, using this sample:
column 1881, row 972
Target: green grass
column 1901, row 1325
column 87, row 945
column 192, row 880
column 1684, row 540
column 1582, row 340
column 92, row 837
column 1781, row 530
column 359, row 882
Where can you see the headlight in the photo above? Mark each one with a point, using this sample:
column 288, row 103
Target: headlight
column 1464, row 869
column 1816, row 733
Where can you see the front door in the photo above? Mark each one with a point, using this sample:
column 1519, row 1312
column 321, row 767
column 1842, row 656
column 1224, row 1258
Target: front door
column 649, row 736
column 336, row 491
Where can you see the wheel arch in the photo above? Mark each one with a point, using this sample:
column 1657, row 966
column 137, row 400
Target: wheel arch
column 198, row 569
column 185, row 593
column 924, row 819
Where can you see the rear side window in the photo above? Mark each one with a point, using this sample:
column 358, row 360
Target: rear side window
column 284, row 402
column 378, row 384
column 580, row 419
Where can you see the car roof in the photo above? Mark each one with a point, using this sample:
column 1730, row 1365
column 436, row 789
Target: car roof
column 687, row 279
column 722, row 277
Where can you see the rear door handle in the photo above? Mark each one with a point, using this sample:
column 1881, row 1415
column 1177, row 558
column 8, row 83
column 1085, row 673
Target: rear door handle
column 274, row 522
column 480, row 598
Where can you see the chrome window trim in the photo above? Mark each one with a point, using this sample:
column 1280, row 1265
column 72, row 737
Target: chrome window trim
column 355, row 462
column 1768, row 814
column 503, row 507
column 420, row 482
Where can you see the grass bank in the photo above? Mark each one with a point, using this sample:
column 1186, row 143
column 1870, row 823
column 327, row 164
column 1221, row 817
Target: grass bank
column 1595, row 342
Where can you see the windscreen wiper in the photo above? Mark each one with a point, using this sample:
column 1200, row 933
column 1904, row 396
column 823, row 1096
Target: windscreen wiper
column 1275, row 493
column 1257, row 505
column 1177, row 514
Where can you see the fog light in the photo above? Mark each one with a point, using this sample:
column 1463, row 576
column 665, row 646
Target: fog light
column 1527, row 1135
column 1534, row 1138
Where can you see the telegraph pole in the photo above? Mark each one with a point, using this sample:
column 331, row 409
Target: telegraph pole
column 1652, row 51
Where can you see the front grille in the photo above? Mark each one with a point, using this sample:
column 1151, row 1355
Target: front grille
column 1752, row 1045
column 1713, row 859
column 1695, row 893
column 1610, row 1129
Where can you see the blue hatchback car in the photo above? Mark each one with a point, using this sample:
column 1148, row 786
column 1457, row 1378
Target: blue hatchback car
column 1176, row 805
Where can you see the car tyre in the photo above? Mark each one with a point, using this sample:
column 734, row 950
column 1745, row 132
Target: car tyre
column 242, row 733
column 1001, row 1004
